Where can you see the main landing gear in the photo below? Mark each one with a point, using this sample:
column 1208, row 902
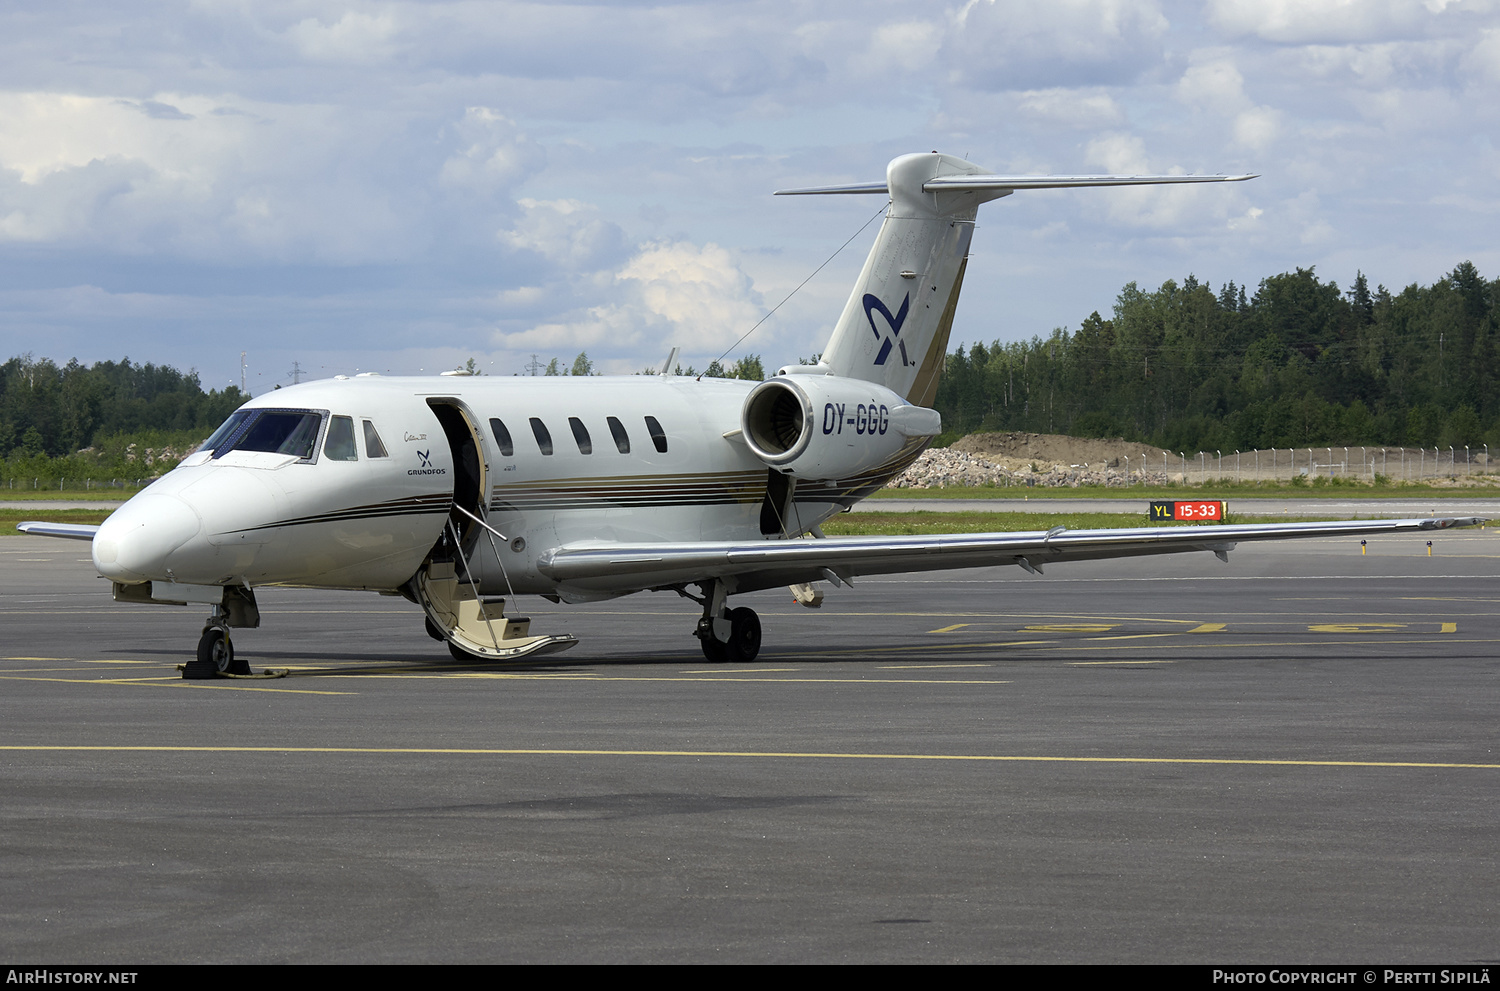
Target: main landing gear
column 727, row 634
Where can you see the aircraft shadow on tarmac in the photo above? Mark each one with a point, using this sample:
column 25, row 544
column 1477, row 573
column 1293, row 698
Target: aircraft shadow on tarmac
column 312, row 664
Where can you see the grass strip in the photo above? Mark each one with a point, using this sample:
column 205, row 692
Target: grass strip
column 1480, row 485
column 10, row 517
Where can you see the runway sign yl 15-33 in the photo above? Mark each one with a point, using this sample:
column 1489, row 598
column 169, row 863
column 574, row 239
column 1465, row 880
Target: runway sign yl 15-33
column 1211, row 510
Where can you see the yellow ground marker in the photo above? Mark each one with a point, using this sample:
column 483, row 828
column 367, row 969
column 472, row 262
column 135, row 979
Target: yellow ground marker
column 1137, row 636
column 175, row 681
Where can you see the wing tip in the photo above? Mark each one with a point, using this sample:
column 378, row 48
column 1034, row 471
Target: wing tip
column 70, row 531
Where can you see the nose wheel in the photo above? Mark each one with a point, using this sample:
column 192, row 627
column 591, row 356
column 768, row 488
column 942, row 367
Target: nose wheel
column 215, row 656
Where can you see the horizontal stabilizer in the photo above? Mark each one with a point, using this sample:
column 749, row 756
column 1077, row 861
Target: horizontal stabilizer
column 972, row 183
column 72, row 531
column 847, row 188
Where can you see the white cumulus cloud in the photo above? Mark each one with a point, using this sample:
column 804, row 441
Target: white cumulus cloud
column 668, row 293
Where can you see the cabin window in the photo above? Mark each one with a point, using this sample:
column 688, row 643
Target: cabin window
column 373, row 446
column 658, row 436
column 581, row 435
column 622, row 439
column 272, row 431
column 543, row 438
column 502, row 437
column 339, row 445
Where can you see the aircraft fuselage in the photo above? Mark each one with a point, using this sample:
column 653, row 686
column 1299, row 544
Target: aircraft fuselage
column 360, row 497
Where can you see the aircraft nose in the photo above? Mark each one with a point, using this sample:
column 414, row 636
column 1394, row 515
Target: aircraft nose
column 134, row 544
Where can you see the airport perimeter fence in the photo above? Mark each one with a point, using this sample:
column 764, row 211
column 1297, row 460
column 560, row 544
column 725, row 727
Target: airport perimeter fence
column 39, row 483
column 1391, row 465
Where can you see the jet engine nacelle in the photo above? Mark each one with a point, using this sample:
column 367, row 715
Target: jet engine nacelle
column 825, row 426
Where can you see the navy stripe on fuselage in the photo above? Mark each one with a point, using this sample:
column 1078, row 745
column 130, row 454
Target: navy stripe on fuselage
column 415, row 506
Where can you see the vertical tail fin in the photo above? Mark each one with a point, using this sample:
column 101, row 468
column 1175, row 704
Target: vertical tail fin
column 894, row 329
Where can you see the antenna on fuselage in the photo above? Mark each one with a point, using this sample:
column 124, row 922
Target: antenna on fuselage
column 666, row 369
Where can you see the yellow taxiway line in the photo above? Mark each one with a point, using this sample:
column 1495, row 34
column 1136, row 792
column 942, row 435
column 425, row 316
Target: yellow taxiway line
column 754, row 754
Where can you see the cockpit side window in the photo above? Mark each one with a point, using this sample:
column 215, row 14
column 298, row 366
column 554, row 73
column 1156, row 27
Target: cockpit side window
column 271, row 431
column 339, row 446
column 374, row 448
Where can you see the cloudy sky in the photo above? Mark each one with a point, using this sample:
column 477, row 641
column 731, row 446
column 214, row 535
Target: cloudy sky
column 401, row 186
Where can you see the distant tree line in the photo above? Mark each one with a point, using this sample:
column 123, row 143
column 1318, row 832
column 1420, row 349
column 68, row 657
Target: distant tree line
column 1298, row 363
column 749, row 367
column 55, row 411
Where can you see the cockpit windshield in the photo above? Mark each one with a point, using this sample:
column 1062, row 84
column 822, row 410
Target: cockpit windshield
column 273, row 431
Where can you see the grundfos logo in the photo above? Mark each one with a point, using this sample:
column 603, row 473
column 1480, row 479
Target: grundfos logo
column 887, row 343
column 427, row 469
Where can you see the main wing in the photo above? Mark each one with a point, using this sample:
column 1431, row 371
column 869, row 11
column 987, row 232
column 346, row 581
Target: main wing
column 597, row 567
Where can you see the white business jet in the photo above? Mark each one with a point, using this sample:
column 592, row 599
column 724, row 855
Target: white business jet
column 463, row 493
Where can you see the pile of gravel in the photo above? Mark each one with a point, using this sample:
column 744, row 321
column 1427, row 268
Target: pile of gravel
column 947, row 468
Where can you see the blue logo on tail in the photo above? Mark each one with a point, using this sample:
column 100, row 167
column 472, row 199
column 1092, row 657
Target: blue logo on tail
column 887, row 344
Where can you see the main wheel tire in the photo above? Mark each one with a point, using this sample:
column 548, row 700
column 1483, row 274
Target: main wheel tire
column 716, row 652
column 215, row 648
column 744, row 635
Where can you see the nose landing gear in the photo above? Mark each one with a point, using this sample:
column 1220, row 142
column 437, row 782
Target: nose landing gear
column 229, row 606
column 215, row 655
column 215, row 650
